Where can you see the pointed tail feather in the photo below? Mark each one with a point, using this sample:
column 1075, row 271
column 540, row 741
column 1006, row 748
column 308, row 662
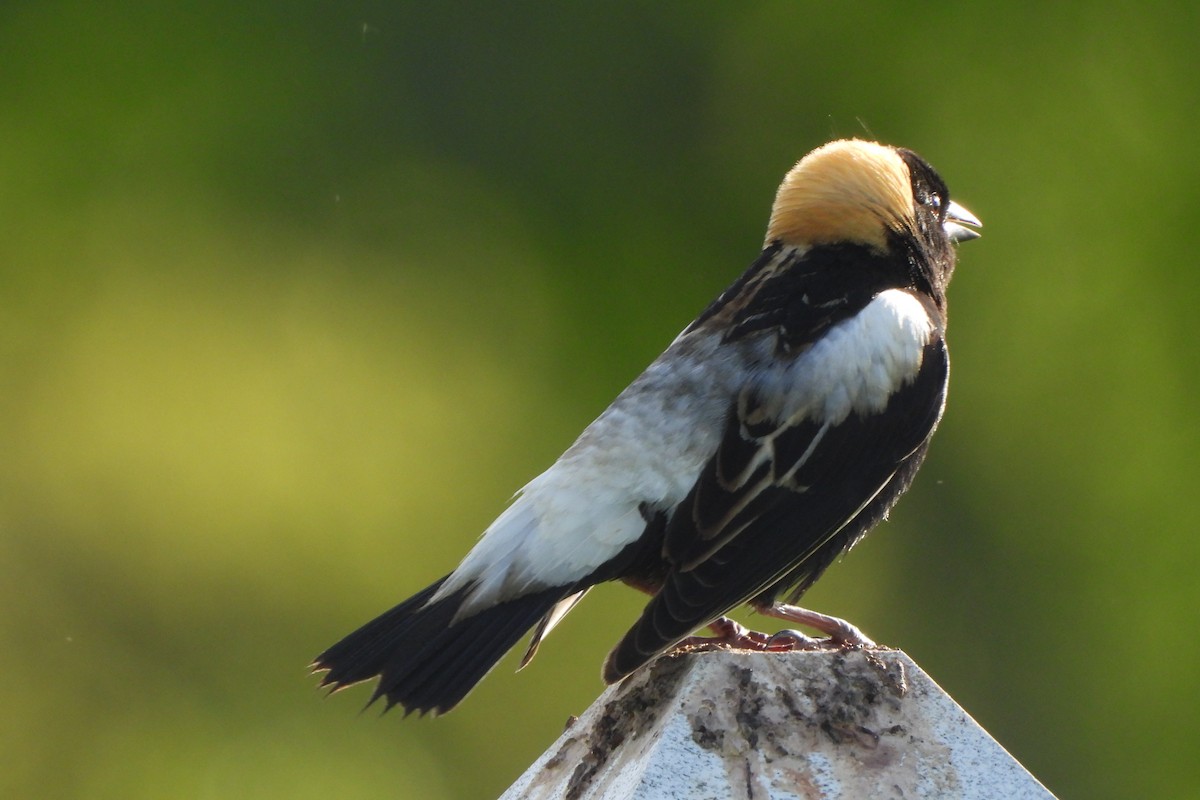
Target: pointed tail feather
column 425, row 661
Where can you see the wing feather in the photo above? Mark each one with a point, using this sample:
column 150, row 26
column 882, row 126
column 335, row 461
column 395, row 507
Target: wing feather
column 801, row 485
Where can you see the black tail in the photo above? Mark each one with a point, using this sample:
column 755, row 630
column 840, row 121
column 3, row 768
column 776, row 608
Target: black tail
column 424, row 660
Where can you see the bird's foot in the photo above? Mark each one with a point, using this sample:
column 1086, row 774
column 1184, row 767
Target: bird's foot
column 842, row 635
column 727, row 634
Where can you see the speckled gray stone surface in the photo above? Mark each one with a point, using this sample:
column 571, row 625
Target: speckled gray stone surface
column 811, row 725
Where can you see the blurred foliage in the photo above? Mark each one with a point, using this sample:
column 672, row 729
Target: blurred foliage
column 294, row 296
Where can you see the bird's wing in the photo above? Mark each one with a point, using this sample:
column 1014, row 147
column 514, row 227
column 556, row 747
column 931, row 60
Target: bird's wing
column 775, row 493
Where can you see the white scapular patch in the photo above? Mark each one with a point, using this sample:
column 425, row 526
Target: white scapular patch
column 858, row 364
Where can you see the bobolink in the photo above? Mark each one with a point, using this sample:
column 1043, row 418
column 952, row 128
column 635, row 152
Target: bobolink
column 773, row 433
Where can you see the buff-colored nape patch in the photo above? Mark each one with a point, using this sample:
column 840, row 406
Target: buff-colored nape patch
column 845, row 191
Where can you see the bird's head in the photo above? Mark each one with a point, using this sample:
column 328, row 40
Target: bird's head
column 863, row 193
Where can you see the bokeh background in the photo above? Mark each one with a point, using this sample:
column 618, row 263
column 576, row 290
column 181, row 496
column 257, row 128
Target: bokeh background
column 293, row 296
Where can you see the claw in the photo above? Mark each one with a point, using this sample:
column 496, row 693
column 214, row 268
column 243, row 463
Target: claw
column 789, row 639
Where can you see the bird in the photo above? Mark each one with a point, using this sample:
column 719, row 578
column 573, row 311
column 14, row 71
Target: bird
column 772, row 434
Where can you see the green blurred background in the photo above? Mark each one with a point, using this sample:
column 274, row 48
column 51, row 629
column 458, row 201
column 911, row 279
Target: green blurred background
column 293, row 296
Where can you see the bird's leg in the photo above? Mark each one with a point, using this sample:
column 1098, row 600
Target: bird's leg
column 840, row 632
column 727, row 633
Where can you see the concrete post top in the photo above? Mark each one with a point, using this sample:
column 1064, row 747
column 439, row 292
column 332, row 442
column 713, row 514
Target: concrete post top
column 803, row 724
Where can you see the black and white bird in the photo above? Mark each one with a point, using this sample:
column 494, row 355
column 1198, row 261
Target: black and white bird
column 770, row 436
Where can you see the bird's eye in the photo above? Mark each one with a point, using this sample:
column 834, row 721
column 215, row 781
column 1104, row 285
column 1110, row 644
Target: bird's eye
column 935, row 201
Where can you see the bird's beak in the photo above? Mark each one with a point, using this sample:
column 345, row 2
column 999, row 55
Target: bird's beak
column 957, row 218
